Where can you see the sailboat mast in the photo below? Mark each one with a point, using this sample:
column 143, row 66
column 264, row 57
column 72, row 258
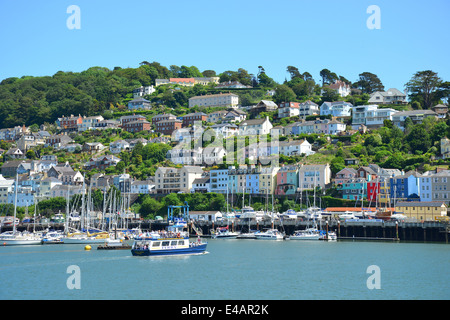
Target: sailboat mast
column 15, row 203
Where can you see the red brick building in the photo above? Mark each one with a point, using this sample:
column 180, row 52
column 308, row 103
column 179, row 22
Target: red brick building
column 191, row 118
column 166, row 127
column 136, row 126
column 70, row 123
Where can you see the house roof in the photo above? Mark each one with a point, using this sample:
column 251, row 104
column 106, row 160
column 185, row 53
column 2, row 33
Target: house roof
column 421, row 204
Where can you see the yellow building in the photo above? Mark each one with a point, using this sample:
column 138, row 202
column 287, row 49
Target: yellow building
column 426, row 210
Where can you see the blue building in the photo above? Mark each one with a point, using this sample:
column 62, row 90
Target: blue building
column 401, row 187
column 219, row 181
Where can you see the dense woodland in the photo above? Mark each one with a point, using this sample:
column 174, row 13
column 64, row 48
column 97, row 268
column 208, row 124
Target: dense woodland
column 35, row 100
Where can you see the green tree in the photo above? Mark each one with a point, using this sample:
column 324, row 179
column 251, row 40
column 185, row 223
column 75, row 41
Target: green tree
column 283, row 94
column 368, row 83
column 423, row 88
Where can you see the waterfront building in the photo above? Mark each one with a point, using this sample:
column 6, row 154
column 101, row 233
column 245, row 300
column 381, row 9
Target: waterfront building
column 373, row 190
column 422, row 210
column 268, row 180
column 219, row 180
column 172, row 180
column 345, row 175
column 287, row 180
column 6, row 186
column 440, row 186
column 202, row 185
column 403, row 186
column 355, row 189
column 314, row 175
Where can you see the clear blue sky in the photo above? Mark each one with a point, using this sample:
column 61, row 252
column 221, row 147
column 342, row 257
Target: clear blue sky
column 227, row 35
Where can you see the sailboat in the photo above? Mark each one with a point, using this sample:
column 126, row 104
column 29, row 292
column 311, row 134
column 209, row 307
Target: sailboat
column 84, row 237
column 14, row 237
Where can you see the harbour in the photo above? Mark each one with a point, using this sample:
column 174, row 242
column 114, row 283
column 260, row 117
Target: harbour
column 231, row 270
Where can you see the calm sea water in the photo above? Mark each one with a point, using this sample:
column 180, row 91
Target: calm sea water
column 232, row 269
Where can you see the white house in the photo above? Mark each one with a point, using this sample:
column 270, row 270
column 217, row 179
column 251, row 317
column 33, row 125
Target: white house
column 295, row 147
column 142, row 91
column 288, row 109
column 342, row 88
column 143, row 187
column 370, row 115
column 315, row 175
column 118, row 146
column 215, row 100
column 225, row 129
column 336, row 109
column 391, row 96
column 89, row 123
column 201, row 185
column 205, row 215
column 255, row 127
column 308, row 108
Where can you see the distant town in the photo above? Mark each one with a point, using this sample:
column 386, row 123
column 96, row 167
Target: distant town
column 352, row 153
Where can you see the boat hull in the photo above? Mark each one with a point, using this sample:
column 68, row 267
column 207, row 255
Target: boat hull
column 181, row 251
column 312, row 237
column 83, row 241
column 15, row 242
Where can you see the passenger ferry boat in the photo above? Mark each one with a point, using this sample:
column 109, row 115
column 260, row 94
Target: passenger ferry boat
column 174, row 241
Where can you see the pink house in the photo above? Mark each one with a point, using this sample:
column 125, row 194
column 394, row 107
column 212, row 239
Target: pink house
column 345, row 175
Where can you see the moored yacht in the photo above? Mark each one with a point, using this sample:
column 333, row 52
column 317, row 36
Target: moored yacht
column 271, row 234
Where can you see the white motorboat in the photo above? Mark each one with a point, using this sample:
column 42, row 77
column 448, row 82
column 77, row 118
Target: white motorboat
column 271, row 234
column 53, row 237
column 223, row 233
column 247, row 235
column 290, row 214
column 307, row 234
column 330, row 237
